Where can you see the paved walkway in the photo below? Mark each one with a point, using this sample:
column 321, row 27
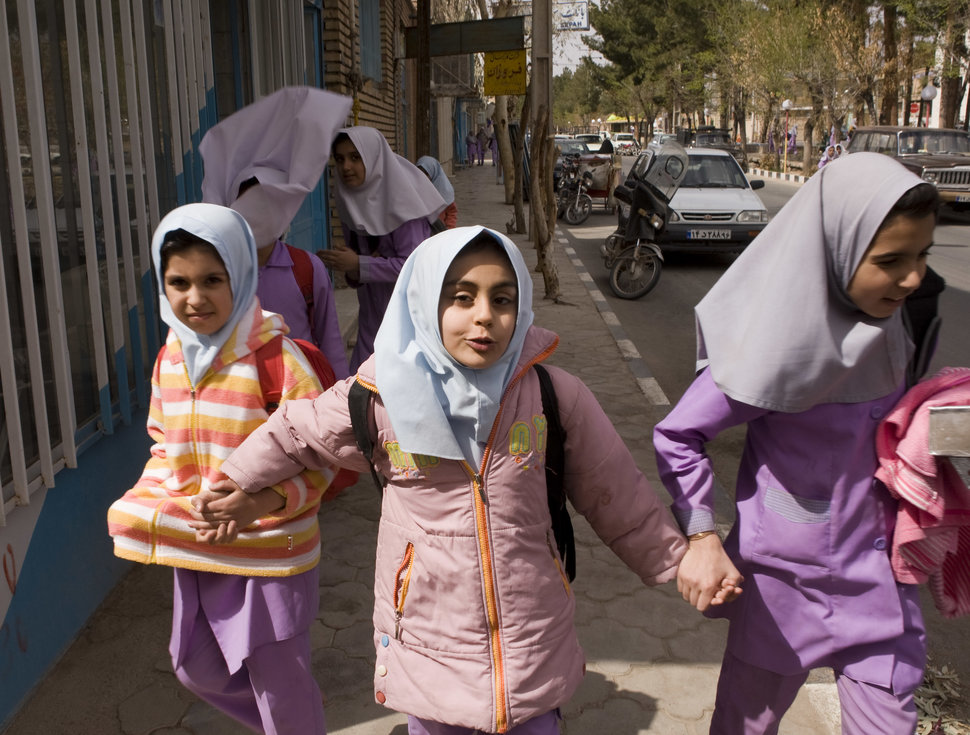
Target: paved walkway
column 652, row 660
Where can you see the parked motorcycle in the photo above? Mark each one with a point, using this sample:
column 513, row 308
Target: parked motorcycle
column 574, row 204
column 631, row 252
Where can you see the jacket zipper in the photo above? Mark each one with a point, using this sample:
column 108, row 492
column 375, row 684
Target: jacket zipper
column 480, row 500
column 402, row 580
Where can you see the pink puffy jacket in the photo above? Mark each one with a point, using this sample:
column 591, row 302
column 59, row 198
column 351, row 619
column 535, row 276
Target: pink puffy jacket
column 473, row 615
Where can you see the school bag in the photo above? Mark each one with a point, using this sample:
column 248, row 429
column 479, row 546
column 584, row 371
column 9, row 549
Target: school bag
column 303, row 273
column 358, row 401
column 922, row 322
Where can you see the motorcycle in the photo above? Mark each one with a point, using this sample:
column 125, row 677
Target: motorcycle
column 574, row 204
column 631, row 252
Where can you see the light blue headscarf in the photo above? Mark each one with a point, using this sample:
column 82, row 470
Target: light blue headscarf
column 437, row 406
column 432, row 167
column 233, row 240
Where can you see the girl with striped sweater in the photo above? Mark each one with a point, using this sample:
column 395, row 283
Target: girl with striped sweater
column 246, row 581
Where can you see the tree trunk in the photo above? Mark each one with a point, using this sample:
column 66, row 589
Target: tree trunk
column 519, row 224
column 888, row 114
column 955, row 50
column 542, row 203
column 501, row 126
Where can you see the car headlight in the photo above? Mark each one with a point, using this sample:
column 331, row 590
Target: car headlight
column 929, row 176
column 753, row 215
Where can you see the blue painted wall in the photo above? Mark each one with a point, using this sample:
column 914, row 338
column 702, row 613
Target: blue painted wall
column 69, row 568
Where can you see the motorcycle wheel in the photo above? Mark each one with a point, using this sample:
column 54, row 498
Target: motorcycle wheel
column 578, row 211
column 635, row 274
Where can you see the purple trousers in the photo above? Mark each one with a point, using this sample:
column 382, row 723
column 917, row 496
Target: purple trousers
column 751, row 701
column 547, row 724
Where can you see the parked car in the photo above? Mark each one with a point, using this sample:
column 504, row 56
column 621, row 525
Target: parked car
column 938, row 155
column 715, row 209
column 707, row 136
column 626, row 144
column 593, row 140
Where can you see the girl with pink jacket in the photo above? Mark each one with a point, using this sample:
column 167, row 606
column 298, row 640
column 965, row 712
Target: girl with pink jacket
column 473, row 614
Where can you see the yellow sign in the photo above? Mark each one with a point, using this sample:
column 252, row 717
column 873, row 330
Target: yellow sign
column 505, row 72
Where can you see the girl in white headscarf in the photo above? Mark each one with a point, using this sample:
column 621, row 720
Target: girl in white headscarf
column 386, row 207
column 473, row 612
column 802, row 340
column 245, row 564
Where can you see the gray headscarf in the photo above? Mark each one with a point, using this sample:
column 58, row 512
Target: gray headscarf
column 779, row 330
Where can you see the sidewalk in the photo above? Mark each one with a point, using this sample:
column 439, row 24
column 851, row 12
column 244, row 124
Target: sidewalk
column 652, row 660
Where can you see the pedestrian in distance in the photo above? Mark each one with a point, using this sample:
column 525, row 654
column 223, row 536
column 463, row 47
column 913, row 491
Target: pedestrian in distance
column 481, row 140
column 827, row 157
column 803, row 341
column 473, row 611
column 436, row 174
column 386, row 207
column 471, row 147
column 245, row 565
column 263, row 161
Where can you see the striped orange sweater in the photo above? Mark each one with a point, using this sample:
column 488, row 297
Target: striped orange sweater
column 194, row 430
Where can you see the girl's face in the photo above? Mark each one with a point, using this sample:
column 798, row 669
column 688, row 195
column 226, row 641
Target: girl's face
column 477, row 308
column 893, row 266
column 198, row 289
column 350, row 166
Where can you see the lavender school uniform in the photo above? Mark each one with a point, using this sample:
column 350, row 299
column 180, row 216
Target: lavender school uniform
column 811, row 538
column 279, row 292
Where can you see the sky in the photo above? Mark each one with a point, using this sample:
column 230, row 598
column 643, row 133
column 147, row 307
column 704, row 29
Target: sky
column 567, row 50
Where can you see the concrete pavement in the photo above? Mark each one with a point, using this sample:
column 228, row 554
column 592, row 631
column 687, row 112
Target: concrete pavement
column 652, row 660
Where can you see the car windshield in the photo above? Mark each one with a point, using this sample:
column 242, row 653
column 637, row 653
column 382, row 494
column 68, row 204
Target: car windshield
column 713, row 139
column 571, row 147
column 714, row 172
column 934, row 141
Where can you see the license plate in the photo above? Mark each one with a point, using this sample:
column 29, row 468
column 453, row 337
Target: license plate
column 963, row 198
column 708, row 234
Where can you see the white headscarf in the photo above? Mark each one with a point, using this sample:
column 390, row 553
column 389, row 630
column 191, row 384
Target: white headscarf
column 284, row 141
column 779, row 330
column 394, row 190
column 228, row 232
column 437, row 176
column 437, row 406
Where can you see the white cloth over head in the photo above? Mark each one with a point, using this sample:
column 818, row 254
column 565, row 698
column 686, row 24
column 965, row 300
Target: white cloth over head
column 436, row 405
column 283, row 140
column 394, row 191
column 432, row 167
column 778, row 329
column 229, row 233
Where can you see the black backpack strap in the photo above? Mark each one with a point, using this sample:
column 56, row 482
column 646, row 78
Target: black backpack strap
column 358, row 401
column 562, row 526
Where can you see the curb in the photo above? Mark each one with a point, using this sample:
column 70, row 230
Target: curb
column 794, row 178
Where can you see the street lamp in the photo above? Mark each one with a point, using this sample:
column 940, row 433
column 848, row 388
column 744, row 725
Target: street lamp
column 786, row 106
column 928, row 95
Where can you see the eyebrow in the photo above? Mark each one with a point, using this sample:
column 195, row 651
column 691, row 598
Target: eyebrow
column 472, row 284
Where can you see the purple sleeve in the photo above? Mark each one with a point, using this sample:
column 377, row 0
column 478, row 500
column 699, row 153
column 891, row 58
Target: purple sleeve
column 394, row 249
column 326, row 328
column 679, row 442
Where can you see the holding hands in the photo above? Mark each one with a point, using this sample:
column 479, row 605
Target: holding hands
column 706, row 575
column 223, row 510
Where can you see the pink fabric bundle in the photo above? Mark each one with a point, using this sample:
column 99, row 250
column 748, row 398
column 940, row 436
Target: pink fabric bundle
column 932, row 539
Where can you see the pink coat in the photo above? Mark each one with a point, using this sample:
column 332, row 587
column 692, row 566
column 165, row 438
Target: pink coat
column 932, row 538
column 473, row 615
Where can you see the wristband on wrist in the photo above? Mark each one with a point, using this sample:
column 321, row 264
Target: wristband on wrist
column 701, row 534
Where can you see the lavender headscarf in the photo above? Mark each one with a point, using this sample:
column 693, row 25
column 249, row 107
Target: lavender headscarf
column 779, row 330
column 394, row 190
column 283, row 140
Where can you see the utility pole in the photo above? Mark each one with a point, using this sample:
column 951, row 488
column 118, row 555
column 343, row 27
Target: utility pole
column 422, row 97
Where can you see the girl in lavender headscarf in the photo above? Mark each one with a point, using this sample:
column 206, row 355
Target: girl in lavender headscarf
column 386, row 207
column 803, row 341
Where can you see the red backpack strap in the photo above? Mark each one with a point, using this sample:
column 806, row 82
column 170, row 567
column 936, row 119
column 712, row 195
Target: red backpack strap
column 269, row 364
column 303, row 273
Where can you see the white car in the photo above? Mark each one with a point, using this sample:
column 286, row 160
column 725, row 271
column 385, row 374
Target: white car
column 626, row 144
column 715, row 210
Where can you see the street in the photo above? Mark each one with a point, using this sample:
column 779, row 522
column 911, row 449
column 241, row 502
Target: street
column 661, row 326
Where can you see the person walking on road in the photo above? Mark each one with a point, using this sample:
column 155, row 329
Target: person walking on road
column 803, row 341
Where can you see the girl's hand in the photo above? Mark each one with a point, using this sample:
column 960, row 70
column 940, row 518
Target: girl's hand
column 707, row 576
column 218, row 516
column 341, row 258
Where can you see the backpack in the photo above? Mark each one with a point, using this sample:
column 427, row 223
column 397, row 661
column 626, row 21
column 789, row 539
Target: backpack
column 303, row 273
column 562, row 528
column 922, row 323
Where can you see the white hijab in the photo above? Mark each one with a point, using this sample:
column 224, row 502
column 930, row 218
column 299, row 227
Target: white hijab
column 284, row 141
column 779, row 330
column 394, row 191
column 228, row 232
column 437, row 406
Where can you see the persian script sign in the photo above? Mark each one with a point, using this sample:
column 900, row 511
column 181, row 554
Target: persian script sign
column 505, row 72
column 571, row 16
